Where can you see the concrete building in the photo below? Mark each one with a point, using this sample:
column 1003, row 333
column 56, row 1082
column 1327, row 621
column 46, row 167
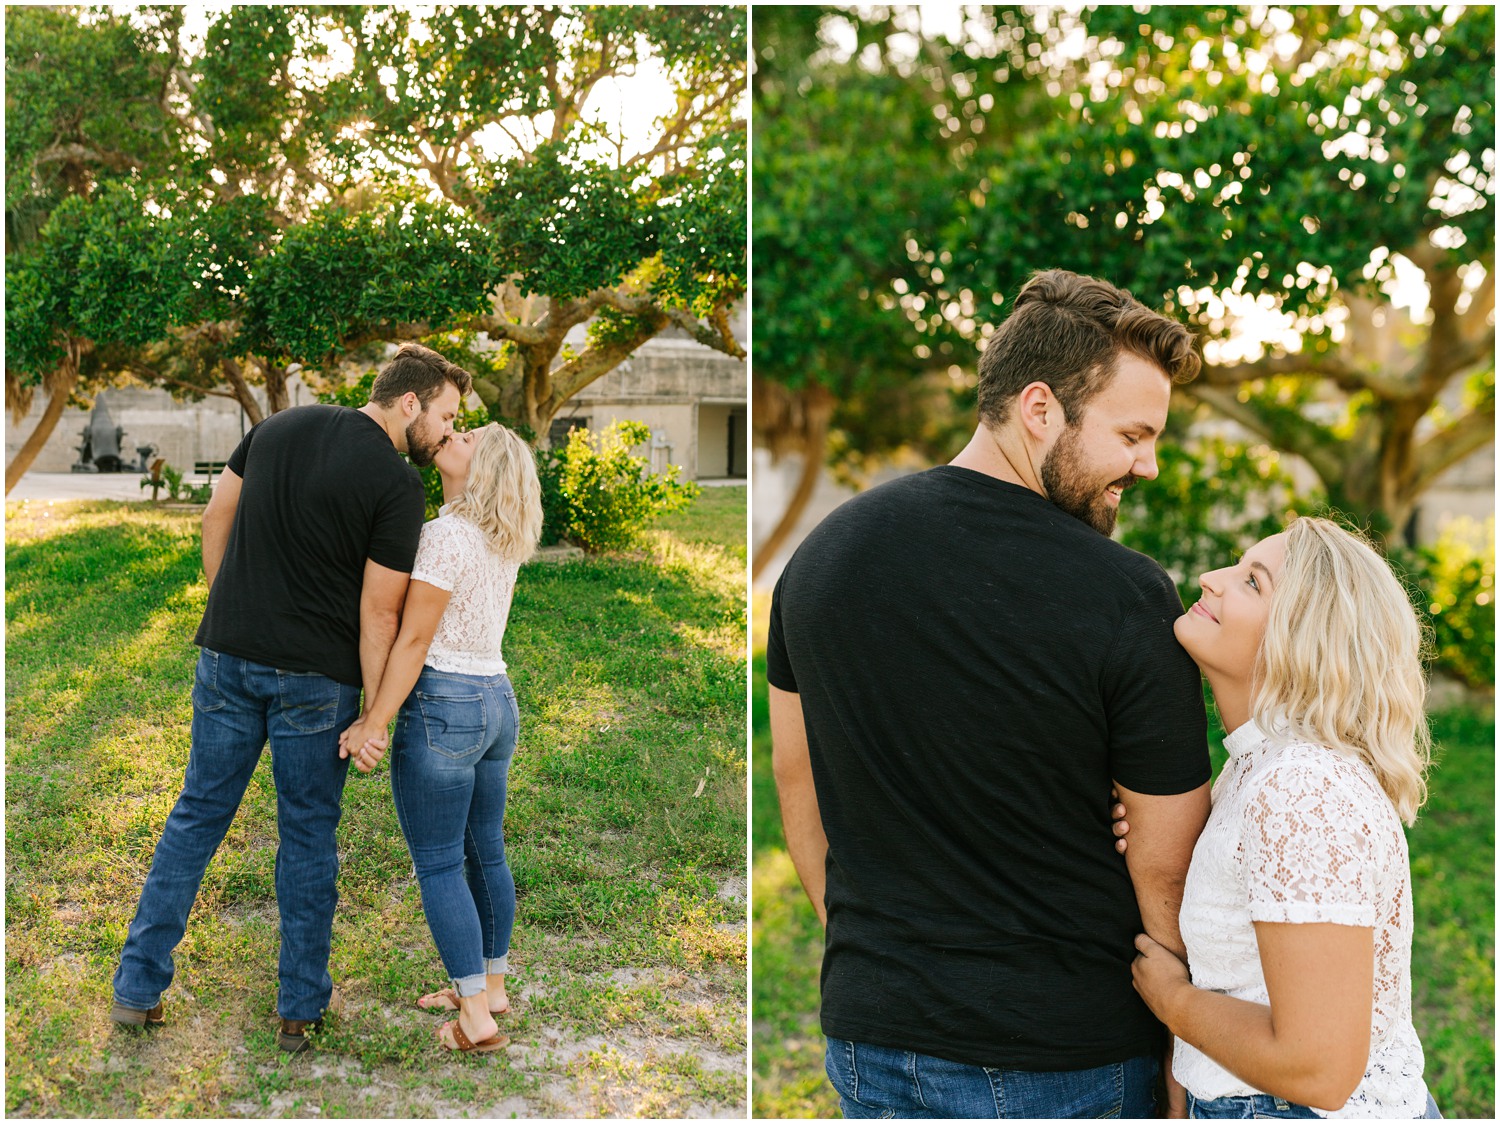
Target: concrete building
column 693, row 398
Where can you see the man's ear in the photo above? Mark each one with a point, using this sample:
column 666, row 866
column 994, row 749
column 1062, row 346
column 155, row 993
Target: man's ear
column 411, row 405
column 1039, row 412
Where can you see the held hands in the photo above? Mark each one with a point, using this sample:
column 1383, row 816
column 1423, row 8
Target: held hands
column 1159, row 976
column 1117, row 813
column 365, row 742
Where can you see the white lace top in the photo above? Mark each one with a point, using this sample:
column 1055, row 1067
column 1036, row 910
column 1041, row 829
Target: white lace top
column 1302, row 834
column 453, row 555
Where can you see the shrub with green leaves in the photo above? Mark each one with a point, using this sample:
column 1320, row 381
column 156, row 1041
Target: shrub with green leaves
column 1455, row 581
column 611, row 492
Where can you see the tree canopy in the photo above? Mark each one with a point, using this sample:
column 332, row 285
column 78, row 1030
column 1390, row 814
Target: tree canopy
column 308, row 182
column 1273, row 176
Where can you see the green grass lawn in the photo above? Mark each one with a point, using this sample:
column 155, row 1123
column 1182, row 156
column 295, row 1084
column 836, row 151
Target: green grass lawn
column 1453, row 962
column 625, row 830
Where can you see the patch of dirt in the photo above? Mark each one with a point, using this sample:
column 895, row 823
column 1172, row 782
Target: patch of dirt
column 732, row 889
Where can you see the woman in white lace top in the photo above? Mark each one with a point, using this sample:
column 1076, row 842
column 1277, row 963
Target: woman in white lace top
column 1297, row 913
column 457, row 725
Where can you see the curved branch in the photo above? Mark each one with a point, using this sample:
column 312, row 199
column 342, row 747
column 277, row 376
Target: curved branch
column 65, row 153
column 674, row 138
column 496, row 327
column 596, row 362
column 715, row 333
column 1291, row 433
column 1449, row 445
column 1269, row 366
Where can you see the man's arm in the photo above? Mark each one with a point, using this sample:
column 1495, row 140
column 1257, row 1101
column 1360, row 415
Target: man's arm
column 218, row 520
column 800, row 820
column 380, row 601
column 1163, row 830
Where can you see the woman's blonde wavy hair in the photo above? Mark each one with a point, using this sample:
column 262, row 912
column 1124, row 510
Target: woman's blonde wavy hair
column 1341, row 663
column 503, row 496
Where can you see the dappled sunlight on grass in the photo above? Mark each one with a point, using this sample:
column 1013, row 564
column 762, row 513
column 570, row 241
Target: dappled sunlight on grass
column 728, row 643
column 572, row 714
column 658, row 1084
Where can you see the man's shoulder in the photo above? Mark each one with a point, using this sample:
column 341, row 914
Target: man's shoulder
column 1142, row 572
column 304, row 416
column 901, row 498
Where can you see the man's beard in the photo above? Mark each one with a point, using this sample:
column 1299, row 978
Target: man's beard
column 418, row 448
column 1070, row 487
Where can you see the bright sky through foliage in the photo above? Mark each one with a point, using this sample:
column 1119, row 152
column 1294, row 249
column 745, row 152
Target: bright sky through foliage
column 1255, row 324
column 624, row 107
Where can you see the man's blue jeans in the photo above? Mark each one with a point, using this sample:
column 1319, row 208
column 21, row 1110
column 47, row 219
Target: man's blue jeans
column 881, row 1082
column 237, row 705
column 1263, row 1106
column 450, row 758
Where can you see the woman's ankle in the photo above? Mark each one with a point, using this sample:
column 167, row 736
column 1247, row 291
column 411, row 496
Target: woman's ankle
column 475, row 1017
column 499, row 1001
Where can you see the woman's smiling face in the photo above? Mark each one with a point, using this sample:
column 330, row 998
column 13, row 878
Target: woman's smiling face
column 1222, row 631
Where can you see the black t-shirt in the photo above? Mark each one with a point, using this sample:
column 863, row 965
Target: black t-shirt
column 324, row 490
column 975, row 667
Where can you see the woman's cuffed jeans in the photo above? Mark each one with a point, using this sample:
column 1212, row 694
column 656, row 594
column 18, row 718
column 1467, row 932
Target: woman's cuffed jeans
column 450, row 759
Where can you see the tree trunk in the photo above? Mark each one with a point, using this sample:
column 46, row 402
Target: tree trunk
column 60, row 389
column 242, row 393
column 817, row 411
column 277, row 398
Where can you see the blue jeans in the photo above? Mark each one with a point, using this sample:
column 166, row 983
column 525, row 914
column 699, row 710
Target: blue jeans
column 450, row 756
column 881, row 1082
column 237, row 705
column 1263, row 1106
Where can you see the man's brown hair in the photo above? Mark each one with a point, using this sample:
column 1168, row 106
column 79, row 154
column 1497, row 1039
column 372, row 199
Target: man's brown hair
column 418, row 370
column 1068, row 331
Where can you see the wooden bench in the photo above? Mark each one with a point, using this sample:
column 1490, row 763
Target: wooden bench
column 209, row 468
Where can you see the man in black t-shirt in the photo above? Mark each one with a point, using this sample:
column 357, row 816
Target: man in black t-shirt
column 962, row 664
column 308, row 545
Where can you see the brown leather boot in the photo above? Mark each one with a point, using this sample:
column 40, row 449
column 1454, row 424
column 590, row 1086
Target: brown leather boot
column 132, row 1017
column 292, row 1037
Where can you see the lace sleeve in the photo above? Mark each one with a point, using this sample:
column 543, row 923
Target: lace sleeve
column 440, row 555
column 1310, row 852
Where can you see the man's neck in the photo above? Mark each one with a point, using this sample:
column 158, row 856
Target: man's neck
column 1002, row 454
column 387, row 421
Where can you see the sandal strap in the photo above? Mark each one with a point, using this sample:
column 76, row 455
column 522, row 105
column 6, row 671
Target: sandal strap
column 461, row 1038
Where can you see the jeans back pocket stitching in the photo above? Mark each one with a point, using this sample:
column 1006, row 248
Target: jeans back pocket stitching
column 483, row 727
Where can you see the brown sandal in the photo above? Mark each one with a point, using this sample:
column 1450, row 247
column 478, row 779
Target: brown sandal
column 462, row 1045
column 449, row 1002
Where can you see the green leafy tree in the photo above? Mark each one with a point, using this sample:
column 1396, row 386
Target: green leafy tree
column 1224, row 164
column 851, row 168
column 85, row 106
column 384, row 177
